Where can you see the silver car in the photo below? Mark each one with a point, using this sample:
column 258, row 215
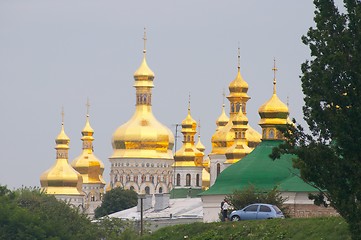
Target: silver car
column 257, row 211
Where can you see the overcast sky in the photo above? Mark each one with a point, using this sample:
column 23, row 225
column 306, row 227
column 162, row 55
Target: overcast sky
column 59, row 53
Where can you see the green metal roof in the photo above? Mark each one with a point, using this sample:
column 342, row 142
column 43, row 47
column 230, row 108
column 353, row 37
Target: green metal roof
column 259, row 170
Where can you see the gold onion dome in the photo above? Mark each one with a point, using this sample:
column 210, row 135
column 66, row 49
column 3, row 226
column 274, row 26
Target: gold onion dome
column 143, row 136
column 222, row 120
column 240, row 148
column 274, row 111
column 87, row 164
column 61, row 178
column 238, row 88
column 200, row 145
column 188, row 154
column 223, row 138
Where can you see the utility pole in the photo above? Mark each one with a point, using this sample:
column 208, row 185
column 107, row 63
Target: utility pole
column 175, row 150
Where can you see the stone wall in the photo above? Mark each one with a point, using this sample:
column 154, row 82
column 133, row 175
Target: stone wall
column 310, row 210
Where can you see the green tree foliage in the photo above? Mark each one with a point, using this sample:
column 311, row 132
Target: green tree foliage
column 241, row 198
column 116, row 200
column 329, row 156
column 29, row 214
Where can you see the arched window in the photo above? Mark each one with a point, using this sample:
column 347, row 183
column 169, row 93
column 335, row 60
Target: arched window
column 178, row 179
column 147, row 190
column 238, row 107
column 232, row 108
column 160, row 190
column 244, row 108
column 92, row 198
column 188, row 179
column 218, row 169
column 243, row 134
column 264, row 134
column 197, row 180
column 271, row 134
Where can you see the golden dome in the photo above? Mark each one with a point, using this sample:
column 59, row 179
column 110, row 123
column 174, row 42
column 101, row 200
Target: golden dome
column 188, row 155
column 238, row 84
column 200, row 145
column 222, row 119
column 274, row 111
column 61, row 178
column 238, row 87
column 240, row 148
column 87, row 164
column 189, row 124
column 143, row 136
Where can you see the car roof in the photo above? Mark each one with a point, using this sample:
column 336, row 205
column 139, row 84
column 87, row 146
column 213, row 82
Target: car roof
column 265, row 204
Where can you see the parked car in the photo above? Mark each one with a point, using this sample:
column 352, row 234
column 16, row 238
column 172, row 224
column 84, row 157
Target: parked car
column 257, row 211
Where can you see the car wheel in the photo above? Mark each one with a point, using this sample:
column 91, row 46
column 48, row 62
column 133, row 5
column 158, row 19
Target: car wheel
column 235, row 218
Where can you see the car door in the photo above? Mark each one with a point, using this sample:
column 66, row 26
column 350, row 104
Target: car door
column 250, row 212
column 264, row 212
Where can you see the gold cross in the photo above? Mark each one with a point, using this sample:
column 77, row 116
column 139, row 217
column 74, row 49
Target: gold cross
column 145, row 41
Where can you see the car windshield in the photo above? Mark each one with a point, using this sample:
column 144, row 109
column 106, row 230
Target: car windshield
column 277, row 209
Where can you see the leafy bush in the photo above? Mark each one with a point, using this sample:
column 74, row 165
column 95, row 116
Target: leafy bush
column 241, row 198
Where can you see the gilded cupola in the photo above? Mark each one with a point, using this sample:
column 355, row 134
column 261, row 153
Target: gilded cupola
column 223, row 138
column 87, row 164
column 273, row 113
column 238, row 89
column 143, row 136
column 222, row 120
column 240, row 147
column 188, row 154
column 61, row 178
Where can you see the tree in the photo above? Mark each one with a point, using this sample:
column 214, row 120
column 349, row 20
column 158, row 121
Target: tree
column 116, row 200
column 329, row 157
column 29, row 214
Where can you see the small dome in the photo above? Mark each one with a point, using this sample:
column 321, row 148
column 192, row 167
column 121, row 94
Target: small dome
column 61, row 178
column 188, row 155
column 189, row 122
column 200, row 145
column 144, row 70
column 274, row 111
column 238, row 84
column 274, row 105
column 87, row 164
column 222, row 119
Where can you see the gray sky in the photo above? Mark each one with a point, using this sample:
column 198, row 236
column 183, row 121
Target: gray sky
column 59, row 53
